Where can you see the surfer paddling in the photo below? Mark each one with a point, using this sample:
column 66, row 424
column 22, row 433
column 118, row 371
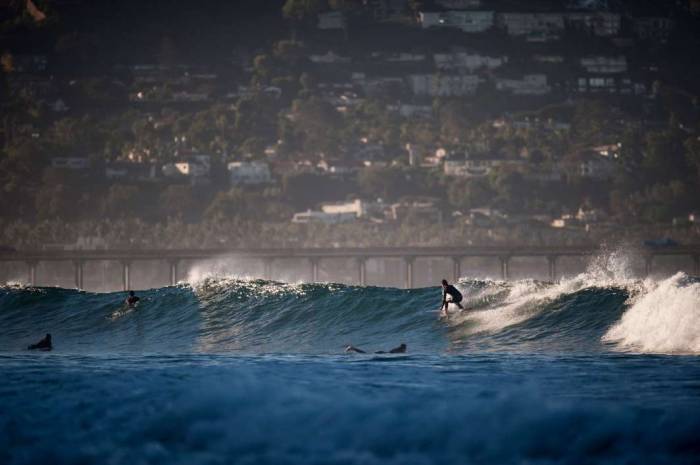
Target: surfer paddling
column 396, row 350
column 132, row 299
column 450, row 294
column 44, row 344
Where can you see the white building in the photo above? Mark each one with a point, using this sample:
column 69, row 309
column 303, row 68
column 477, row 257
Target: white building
column 552, row 59
column 356, row 207
column 426, row 210
column 599, row 23
column 459, row 4
column 185, row 168
column 443, row 85
column 311, row 216
column 611, row 85
column 329, row 57
column 655, row 27
column 467, row 21
column 195, row 166
column 71, row 163
column 604, row 65
column 532, row 24
column 387, row 9
column 467, row 61
column 468, row 168
column 530, row 84
column 408, row 110
column 331, row 20
column 249, row 173
column 597, row 167
column 402, row 57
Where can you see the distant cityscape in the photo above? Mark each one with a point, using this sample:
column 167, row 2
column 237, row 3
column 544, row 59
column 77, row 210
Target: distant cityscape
column 337, row 122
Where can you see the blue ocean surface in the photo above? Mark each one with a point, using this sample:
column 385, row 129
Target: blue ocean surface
column 594, row 369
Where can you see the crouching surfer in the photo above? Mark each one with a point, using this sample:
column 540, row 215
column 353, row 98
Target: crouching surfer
column 44, row 344
column 450, row 294
column 396, row 350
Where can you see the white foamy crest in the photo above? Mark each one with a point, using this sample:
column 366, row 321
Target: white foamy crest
column 665, row 319
column 216, row 269
column 527, row 298
column 524, row 300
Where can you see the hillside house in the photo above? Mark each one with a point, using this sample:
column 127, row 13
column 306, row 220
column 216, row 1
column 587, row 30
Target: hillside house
column 473, row 168
column 382, row 10
column 328, row 58
column 331, row 20
column 311, row 216
column 530, row 84
column 70, row 163
column 130, row 171
column 466, row 21
column 622, row 85
column 249, row 173
column 459, row 4
column 422, row 210
column 598, row 23
column 538, row 26
column 604, row 65
column 434, row 85
column 653, row 28
column 464, row 61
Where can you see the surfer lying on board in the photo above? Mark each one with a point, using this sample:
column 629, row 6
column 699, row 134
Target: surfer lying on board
column 450, row 294
column 132, row 299
column 44, row 344
column 396, row 350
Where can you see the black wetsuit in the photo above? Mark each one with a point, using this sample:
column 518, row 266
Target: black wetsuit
column 453, row 292
column 44, row 344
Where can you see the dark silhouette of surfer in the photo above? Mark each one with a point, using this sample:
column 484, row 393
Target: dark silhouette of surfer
column 44, row 344
column 396, row 350
column 132, row 299
column 450, row 294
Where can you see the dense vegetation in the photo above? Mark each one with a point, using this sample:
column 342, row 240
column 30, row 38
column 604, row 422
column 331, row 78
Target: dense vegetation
column 267, row 46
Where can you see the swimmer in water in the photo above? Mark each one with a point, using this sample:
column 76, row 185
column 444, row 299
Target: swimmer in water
column 44, row 344
column 132, row 299
column 396, row 350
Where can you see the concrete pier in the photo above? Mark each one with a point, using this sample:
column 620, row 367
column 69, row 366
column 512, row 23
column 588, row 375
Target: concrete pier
column 501, row 254
column 126, row 275
column 173, row 262
column 408, row 262
column 362, row 271
column 79, row 267
column 456, row 268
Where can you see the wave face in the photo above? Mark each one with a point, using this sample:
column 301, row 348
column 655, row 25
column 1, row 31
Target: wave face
column 588, row 313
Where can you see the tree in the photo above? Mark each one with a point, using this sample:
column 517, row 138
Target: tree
column 60, row 201
column 386, row 183
column 306, row 190
column 235, row 204
column 692, row 154
column 664, row 155
column 301, row 11
column 123, row 202
column 177, row 201
column 469, row 193
column 318, row 124
column 455, row 120
column 510, row 188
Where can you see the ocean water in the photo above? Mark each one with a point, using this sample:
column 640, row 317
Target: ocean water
column 598, row 368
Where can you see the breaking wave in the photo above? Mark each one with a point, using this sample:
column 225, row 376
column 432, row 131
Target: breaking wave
column 595, row 311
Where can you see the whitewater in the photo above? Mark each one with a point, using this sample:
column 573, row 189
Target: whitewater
column 597, row 368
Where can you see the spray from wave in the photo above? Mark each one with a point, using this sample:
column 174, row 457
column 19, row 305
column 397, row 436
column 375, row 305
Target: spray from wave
column 664, row 319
